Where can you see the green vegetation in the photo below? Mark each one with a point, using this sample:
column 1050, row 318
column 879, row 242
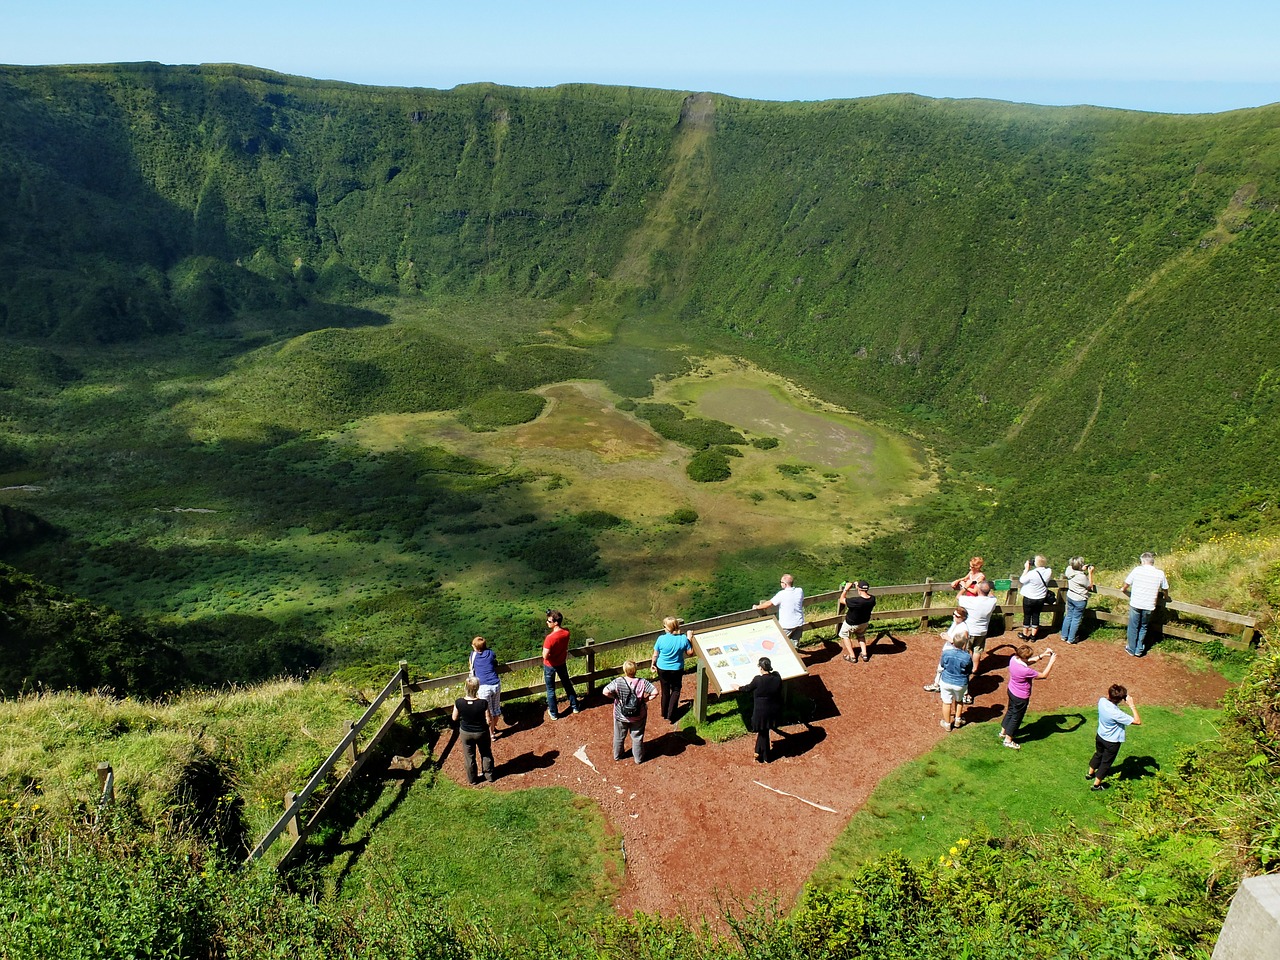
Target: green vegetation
column 501, row 409
column 968, row 782
column 445, row 842
column 709, row 466
column 267, row 406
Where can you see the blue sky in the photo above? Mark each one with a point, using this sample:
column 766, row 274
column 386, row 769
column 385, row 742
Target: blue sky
column 1169, row 56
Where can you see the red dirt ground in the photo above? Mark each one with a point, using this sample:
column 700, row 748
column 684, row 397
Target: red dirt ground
column 695, row 810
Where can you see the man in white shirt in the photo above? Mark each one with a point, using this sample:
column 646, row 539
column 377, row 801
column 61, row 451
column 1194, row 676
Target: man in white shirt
column 789, row 602
column 979, row 619
column 1145, row 584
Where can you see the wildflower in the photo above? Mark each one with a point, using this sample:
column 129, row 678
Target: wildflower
column 954, row 852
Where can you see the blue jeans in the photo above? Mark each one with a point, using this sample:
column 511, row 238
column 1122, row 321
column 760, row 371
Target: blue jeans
column 1072, row 618
column 549, row 675
column 1138, row 622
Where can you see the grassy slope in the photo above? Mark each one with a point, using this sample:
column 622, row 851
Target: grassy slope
column 970, row 782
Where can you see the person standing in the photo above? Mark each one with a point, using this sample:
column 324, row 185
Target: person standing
column 766, row 709
column 484, row 667
column 979, row 606
column 1035, row 591
column 471, row 714
column 1021, row 676
column 968, row 584
column 857, row 616
column 1144, row 586
column 1079, row 577
column 669, row 651
column 1112, row 722
column 555, row 654
column 959, row 628
column 789, row 602
column 953, row 680
column 630, row 695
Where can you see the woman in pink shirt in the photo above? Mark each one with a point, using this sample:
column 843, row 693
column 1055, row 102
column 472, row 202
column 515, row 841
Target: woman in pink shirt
column 1021, row 674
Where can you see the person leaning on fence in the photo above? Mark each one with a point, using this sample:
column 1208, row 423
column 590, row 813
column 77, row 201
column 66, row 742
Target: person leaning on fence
column 555, row 654
column 789, row 601
column 1145, row 586
column 1112, row 722
column 484, row 666
column 968, row 584
column 857, row 616
column 669, row 651
column 630, row 695
column 471, row 714
column 1035, row 592
column 1079, row 577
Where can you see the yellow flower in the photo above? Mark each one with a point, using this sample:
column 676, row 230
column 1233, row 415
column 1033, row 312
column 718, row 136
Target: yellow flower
column 953, row 851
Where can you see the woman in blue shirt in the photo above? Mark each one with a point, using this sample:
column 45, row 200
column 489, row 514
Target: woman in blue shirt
column 1112, row 722
column 669, row 651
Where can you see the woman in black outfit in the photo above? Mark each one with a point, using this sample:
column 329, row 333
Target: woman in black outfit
column 767, row 709
column 471, row 713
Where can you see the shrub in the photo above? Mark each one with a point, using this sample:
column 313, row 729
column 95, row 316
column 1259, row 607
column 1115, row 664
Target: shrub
column 501, row 409
column 764, row 443
column 683, row 516
column 708, row 466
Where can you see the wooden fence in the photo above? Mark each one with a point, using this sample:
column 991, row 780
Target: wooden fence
column 292, row 823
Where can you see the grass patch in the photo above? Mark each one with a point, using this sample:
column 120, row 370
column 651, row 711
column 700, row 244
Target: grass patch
column 926, row 805
column 443, row 842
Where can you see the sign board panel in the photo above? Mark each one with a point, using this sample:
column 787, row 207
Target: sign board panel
column 731, row 654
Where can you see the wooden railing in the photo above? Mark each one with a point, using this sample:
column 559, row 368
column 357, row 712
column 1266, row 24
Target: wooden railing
column 292, row 823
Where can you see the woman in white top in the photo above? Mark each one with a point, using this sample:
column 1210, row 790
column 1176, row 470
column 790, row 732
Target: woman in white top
column 1035, row 591
column 1079, row 577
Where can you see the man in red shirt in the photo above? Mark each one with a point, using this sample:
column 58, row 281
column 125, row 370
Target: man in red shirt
column 555, row 651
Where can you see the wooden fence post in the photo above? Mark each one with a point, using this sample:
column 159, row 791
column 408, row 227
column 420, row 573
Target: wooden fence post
column 106, row 783
column 1246, row 637
column 928, row 602
column 292, row 825
column 406, row 695
column 1009, row 607
column 700, row 692
column 1056, row 595
column 353, row 752
column 591, row 666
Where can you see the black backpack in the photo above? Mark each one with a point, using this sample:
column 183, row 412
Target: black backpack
column 628, row 703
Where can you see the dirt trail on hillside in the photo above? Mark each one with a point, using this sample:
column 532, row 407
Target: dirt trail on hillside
column 698, row 827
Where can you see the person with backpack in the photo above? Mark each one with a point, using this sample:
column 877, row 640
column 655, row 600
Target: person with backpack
column 629, row 694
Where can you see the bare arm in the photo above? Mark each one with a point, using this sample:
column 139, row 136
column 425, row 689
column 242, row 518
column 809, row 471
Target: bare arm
column 1134, row 707
column 1053, row 658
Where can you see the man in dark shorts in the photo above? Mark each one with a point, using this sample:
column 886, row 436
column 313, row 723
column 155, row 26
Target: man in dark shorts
column 857, row 616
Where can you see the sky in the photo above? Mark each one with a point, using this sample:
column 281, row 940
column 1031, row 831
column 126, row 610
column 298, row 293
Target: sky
column 1168, row 56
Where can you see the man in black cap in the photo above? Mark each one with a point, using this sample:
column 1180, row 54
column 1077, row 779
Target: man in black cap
column 857, row 616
